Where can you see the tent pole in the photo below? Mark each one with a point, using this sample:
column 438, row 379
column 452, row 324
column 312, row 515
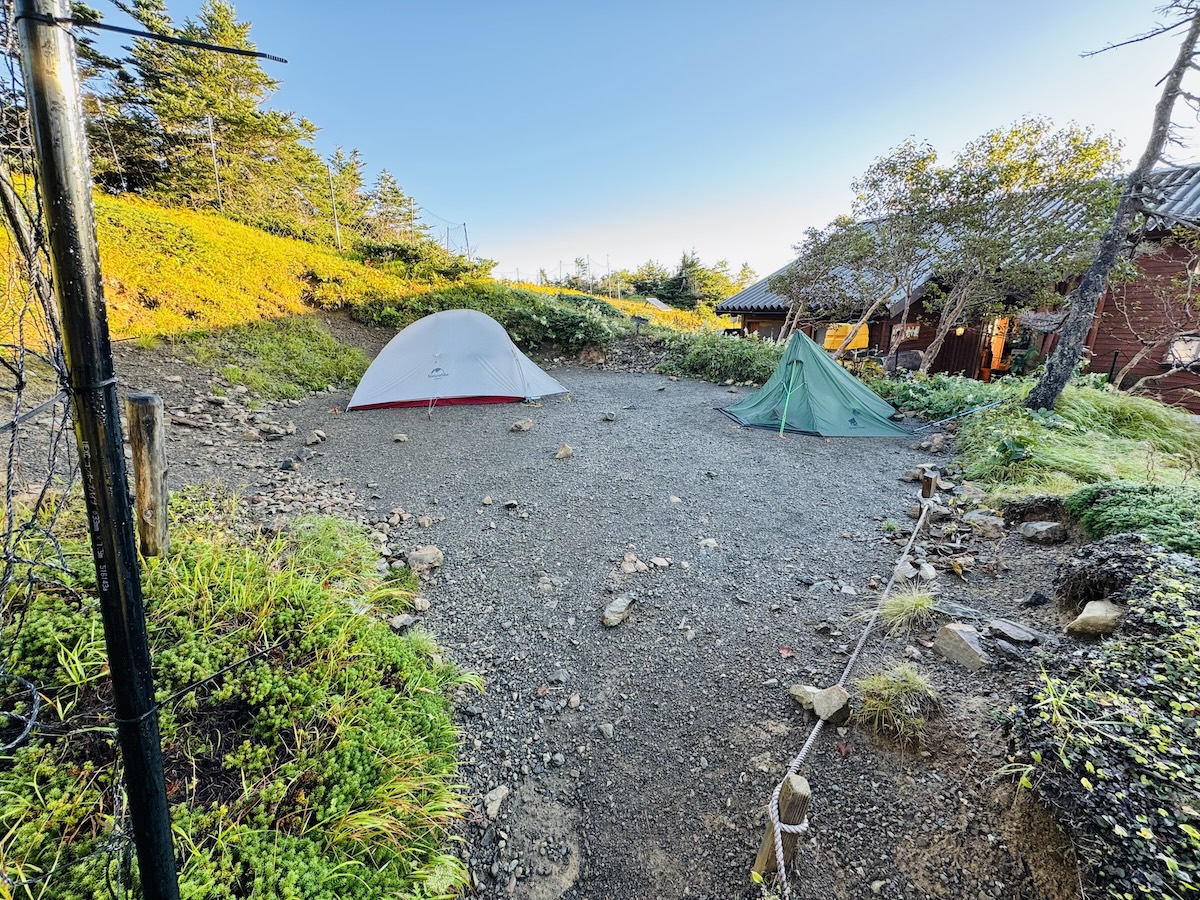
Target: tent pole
column 787, row 396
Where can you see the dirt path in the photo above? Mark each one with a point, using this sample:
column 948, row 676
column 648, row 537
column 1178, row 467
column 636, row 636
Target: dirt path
column 635, row 762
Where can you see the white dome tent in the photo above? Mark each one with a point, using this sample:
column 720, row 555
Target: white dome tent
column 451, row 357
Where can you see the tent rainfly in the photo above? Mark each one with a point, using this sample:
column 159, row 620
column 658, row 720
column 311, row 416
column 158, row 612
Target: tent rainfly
column 451, row 357
column 810, row 393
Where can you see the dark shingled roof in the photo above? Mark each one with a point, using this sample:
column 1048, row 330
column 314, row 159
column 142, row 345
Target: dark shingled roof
column 756, row 298
column 1173, row 199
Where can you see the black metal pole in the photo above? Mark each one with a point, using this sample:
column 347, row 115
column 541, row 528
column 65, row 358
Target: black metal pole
column 1112, row 370
column 52, row 89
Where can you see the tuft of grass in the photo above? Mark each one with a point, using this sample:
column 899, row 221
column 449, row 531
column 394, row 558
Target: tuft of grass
column 323, row 768
column 895, row 703
column 279, row 359
column 906, row 608
column 1094, row 434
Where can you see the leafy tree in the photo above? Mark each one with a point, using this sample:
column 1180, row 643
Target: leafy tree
column 1081, row 305
column 1021, row 208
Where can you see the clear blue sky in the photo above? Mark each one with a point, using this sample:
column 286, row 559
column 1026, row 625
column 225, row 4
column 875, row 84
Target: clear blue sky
column 636, row 130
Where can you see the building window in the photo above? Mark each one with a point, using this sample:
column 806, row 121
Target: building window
column 1183, row 351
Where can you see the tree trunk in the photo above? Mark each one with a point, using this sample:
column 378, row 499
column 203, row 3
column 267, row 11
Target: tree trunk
column 955, row 304
column 1127, row 369
column 1081, row 307
column 837, row 354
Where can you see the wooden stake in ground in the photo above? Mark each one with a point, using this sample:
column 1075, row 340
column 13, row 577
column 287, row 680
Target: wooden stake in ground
column 793, row 808
column 147, row 440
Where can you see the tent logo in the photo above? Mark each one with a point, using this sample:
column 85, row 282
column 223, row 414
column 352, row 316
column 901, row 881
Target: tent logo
column 437, row 372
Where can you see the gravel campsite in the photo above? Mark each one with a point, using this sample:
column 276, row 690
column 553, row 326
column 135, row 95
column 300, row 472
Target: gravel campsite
column 636, row 760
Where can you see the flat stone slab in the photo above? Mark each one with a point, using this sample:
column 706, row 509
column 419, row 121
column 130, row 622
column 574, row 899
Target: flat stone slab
column 1013, row 632
column 960, row 643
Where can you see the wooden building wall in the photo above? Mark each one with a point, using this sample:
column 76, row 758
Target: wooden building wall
column 1151, row 311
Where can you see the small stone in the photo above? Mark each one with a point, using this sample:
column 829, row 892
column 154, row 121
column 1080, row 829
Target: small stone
column 521, row 425
column 425, row 521
column 878, row 886
column 574, row 700
column 252, row 434
column 1012, row 631
column 425, row 557
column 304, row 454
column 494, row 800
column 173, row 379
column 708, row 544
column 960, row 643
column 937, row 442
column 910, row 475
column 609, row 417
column 832, row 704
column 312, row 440
column 289, row 465
column 617, row 611
column 606, row 729
column 319, row 433
column 927, row 572
column 912, row 652
column 400, row 437
column 420, row 604
column 1037, row 597
column 1099, row 617
column 564, row 452
column 1044, row 532
column 1004, row 648
column 675, row 499
column 402, row 621
column 985, row 524
column 486, row 501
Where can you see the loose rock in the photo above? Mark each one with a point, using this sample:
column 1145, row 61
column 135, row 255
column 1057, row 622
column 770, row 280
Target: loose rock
column 521, row 425
column 1044, row 532
column 425, row 557
column 960, row 643
column 400, row 438
column 1099, row 617
column 617, row 611
column 564, row 452
column 494, row 800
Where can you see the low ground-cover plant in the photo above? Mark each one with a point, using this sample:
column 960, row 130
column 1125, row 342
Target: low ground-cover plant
column 717, row 357
column 1111, row 738
column 1167, row 514
column 324, row 768
column 278, row 359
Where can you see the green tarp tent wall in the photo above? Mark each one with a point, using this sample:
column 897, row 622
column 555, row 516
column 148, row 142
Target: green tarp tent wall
column 810, row 393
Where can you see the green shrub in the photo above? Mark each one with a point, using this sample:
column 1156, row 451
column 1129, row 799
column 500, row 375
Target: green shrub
column 532, row 319
column 1163, row 513
column 1111, row 739
column 323, row 769
column 717, row 357
column 939, row 396
column 280, row 358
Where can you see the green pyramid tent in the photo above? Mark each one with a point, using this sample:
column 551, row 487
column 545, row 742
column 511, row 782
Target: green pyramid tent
column 810, row 393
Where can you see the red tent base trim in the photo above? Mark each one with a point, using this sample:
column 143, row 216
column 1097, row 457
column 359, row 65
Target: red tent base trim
column 440, row 401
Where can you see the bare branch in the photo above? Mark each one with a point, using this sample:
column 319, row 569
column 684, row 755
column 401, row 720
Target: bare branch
column 1162, row 29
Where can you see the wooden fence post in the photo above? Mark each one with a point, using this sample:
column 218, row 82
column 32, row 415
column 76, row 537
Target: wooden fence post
column 793, row 808
column 147, row 440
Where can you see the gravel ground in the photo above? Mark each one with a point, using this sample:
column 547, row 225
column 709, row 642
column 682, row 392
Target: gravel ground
column 635, row 761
